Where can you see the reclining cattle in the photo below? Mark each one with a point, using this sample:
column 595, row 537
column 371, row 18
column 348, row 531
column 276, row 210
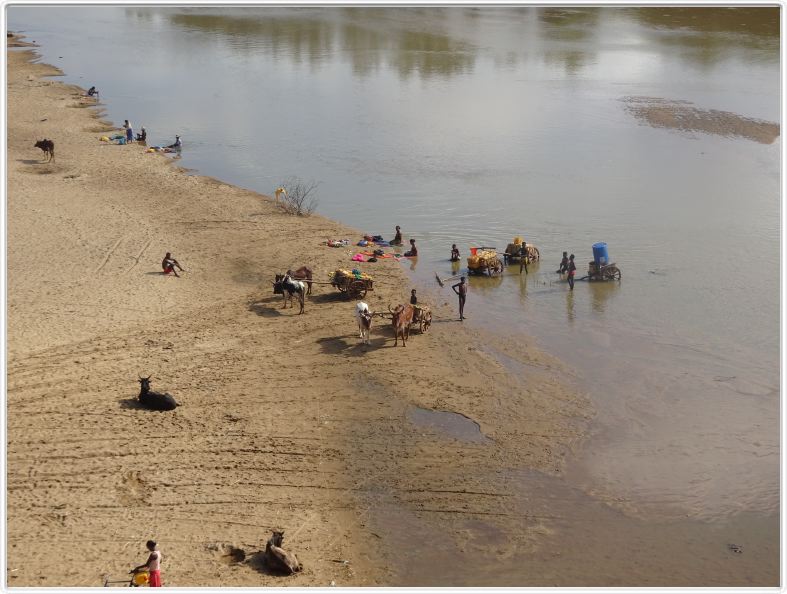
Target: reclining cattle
column 402, row 318
column 154, row 400
column 364, row 317
column 287, row 287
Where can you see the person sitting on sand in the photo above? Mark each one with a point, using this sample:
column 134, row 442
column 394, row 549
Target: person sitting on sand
column 169, row 263
column 397, row 240
column 413, row 251
column 454, row 253
column 413, row 298
column 153, row 565
column 143, row 135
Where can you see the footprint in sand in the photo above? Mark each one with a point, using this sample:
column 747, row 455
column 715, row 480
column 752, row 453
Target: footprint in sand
column 227, row 553
column 132, row 490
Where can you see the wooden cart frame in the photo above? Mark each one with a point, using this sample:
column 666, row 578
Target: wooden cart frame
column 351, row 287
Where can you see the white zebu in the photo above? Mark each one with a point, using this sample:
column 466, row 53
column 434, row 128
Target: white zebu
column 364, row 317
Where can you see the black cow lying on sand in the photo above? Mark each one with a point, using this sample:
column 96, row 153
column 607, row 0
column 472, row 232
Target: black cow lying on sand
column 48, row 146
column 154, row 400
column 277, row 558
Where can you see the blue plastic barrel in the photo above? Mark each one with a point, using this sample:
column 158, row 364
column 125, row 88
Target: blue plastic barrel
column 600, row 253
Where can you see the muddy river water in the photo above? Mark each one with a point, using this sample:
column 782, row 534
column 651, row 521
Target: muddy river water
column 655, row 130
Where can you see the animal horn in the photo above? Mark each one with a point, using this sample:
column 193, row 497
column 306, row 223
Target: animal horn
column 389, row 308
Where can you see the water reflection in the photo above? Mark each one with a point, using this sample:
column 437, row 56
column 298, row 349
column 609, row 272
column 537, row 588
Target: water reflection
column 758, row 21
column 600, row 292
column 570, row 307
column 370, row 38
column 446, row 42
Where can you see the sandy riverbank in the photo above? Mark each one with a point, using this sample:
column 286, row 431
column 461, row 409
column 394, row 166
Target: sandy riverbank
column 286, row 421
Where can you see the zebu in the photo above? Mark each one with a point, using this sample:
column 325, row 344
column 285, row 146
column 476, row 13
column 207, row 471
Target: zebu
column 288, row 287
column 402, row 318
column 364, row 317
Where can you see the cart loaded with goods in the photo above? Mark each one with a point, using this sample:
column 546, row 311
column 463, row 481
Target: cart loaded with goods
column 484, row 260
column 353, row 284
column 512, row 253
column 600, row 268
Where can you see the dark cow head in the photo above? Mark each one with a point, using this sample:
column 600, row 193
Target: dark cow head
column 144, row 383
column 278, row 285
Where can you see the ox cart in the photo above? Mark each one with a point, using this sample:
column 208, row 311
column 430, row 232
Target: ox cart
column 513, row 252
column 352, row 285
column 484, row 260
column 422, row 317
column 602, row 272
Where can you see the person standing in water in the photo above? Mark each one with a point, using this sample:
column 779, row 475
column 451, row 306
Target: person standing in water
column 571, row 271
column 523, row 257
column 454, row 253
column 460, row 289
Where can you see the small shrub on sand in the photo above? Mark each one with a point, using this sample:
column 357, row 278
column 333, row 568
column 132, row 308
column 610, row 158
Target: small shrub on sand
column 298, row 197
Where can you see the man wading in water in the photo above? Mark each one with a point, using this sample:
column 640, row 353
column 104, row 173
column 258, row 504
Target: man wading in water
column 460, row 289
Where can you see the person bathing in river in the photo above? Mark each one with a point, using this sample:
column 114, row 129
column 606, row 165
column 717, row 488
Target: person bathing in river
column 177, row 144
column 143, row 135
column 397, row 240
column 413, row 251
column 454, row 253
column 571, row 271
column 563, row 264
column 523, row 257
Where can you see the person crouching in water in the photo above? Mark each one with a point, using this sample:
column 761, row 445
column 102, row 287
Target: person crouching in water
column 153, row 565
column 168, row 264
column 413, row 251
column 563, row 264
column 454, row 253
column 397, row 240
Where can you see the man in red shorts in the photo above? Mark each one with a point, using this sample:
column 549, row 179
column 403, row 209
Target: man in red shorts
column 153, row 565
column 169, row 263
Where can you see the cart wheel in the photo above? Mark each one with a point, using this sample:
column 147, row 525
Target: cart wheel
column 496, row 267
column 357, row 289
column 612, row 273
column 535, row 254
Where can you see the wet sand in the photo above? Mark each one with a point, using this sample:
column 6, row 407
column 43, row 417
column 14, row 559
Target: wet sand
column 286, row 422
column 686, row 117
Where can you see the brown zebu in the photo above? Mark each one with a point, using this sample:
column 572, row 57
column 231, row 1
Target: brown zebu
column 304, row 273
column 402, row 318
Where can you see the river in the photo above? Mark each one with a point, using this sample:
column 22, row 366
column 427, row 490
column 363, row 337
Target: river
column 652, row 129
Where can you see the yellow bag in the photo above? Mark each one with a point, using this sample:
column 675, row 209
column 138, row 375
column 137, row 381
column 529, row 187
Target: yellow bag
column 104, row 139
